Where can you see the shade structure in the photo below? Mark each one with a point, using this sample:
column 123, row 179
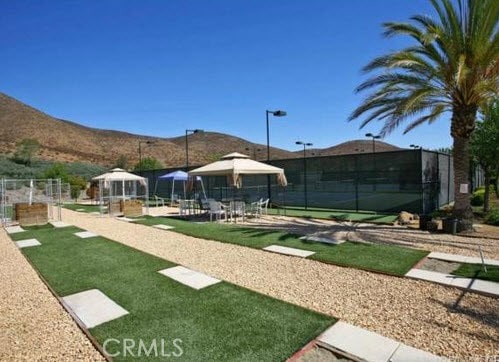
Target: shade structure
column 235, row 165
column 118, row 174
column 177, row 176
column 183, row 176
column 118, row 181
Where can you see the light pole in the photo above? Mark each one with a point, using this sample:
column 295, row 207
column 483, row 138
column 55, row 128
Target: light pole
column 187, row 131
column 305, row 144
column 277, row 113
column 140, row 149
column 415, row 146
column 374, row 138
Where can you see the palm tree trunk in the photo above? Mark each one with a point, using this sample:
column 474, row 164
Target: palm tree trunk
column 462, row 126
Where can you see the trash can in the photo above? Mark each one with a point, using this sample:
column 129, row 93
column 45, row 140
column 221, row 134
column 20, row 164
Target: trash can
column 449, row 225
column 423, row 221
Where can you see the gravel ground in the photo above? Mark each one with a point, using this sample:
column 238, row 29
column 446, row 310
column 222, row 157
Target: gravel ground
column 417, row 313
column 440, row 266
column 33, row 324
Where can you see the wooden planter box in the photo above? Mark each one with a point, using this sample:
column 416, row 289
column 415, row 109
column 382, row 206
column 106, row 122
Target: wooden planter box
column 114, row 208
column 131, row 207
column 34, row 214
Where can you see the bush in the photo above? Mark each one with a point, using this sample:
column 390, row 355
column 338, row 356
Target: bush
column 478, row 197
column 492, row 217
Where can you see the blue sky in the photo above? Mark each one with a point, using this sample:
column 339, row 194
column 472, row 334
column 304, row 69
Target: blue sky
column 160, row 67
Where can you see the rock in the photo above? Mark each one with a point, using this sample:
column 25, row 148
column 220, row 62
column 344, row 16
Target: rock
column 405, row 218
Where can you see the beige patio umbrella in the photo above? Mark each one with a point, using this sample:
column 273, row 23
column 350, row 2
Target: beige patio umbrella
column 235, row 165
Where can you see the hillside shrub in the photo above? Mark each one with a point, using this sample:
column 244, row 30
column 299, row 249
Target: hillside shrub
column 492, row 217
column 478, row 197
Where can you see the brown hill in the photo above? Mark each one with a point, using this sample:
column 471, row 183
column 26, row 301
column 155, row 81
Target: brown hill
column 66, row 141
column 355, row 146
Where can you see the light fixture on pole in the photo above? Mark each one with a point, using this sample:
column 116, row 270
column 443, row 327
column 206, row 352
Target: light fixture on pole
column 187, row 132
column 277, row 113
column 305, row 145
column 140, row 149
column 374, row 138
column 415, row 146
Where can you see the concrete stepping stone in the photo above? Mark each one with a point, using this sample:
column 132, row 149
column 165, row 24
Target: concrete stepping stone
column 406, row 353
column 14, row 229
column 462, row 258
column 476, row 285
column 85, row 234
column 80, row 210
column 93, row 307
column 289, row 251
column 60, row 224
column 95, row 213
column 164, row 227
column 27, row 243
column 360, row 344
column 189, row 277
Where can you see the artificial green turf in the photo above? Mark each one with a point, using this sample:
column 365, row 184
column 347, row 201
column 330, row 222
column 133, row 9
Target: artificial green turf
column 335, row 215
column 220, row 322
column 388, row 259
column 476, row 271
column 87, row 208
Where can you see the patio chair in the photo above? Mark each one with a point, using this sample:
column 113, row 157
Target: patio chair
column 217, row 209
column 237, row 208
column 254, row 208
column 264, row 207
column 159, row 200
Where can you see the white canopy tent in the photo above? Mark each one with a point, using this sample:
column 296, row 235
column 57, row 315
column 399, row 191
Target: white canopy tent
column 118, row 184
column 235, row 165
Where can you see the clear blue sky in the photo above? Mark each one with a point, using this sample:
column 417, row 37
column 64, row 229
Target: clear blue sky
column 159, row 67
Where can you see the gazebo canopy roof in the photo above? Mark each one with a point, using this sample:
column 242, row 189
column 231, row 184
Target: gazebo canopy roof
column 118, row 174
column 177, row 176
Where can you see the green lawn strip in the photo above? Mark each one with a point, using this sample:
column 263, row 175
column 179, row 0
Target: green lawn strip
column 220, row 322
column 476, row 271
column 388, row 259
column 86, row 208
column 336, row 215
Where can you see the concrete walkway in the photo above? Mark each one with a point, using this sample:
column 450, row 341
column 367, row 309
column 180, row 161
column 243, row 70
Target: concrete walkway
column 418, row 314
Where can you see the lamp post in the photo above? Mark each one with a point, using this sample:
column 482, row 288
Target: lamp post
column 374, row 138
column 415, row 146
column 304, row 144
column 187, row 131
column 277, row 113
column 140, row 149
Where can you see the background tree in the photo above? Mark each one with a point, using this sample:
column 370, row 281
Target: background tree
column 148, row 163
column 485, row 147
column 121, row 162
column 26, row 151
column 452, row 67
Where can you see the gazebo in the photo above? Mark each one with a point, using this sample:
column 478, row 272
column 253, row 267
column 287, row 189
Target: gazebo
column 122, row 192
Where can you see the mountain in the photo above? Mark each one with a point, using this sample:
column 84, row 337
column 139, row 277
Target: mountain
column 67, row 141
column 355, row 146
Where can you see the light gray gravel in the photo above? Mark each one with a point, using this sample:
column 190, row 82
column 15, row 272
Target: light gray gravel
column 33, row 325
column 416, row 313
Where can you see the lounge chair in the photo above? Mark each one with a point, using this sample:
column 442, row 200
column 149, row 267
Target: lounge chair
column 217, row 209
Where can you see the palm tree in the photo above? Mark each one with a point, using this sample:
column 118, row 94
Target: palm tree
column 452, row 67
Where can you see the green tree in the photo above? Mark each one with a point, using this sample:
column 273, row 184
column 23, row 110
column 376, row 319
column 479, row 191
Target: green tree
column 485, row 147
column 26, row 151
column 148, row 163
column 57, row 170
column 451, row 67
column 121, row 162
column 77, row 183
